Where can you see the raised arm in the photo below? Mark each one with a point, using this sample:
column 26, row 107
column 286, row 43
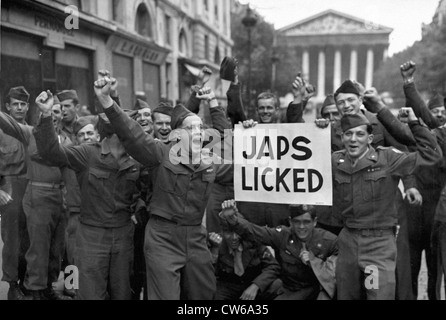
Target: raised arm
column 302, row 94
column 14, row 129
column 413, row 98
column 399, row 131
column 47, row 140
column 141, row 146
column 428, row 152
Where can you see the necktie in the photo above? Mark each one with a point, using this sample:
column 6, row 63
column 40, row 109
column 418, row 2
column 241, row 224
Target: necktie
column 238, row 264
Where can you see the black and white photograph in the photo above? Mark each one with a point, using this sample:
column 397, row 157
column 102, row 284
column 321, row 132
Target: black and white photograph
column 222, row 154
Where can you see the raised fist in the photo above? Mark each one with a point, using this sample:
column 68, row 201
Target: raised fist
column 45, row 101
column 373, row 101
column 204, row 76
column 408, row 69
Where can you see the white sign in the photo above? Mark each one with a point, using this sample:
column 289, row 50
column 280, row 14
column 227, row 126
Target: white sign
column 283, row 163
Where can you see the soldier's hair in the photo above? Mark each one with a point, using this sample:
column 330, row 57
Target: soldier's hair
column 269, row 95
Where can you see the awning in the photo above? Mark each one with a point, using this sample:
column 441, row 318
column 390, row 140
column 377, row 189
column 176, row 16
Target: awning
column 195, row 71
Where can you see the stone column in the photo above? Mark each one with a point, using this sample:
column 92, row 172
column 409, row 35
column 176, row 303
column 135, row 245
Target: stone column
column 337, row 78
column 321, row 75
column 306, row 64
column 369, row 69
column 354, row 64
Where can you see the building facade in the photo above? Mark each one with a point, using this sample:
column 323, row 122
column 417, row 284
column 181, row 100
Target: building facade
column 155, row 48
column 332, row 47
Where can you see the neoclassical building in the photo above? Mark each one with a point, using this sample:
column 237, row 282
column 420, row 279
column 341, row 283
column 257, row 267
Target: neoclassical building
column 332, row 47
column 154, row 47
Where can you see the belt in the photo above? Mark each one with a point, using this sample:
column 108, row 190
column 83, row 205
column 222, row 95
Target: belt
column 46, row 185
column 159, row 218
column 373, row 232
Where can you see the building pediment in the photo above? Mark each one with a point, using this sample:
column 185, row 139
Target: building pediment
column 332, row 23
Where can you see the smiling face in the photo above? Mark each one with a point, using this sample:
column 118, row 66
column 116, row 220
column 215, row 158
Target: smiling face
column 357, row 141
column 440, row 114
column 161, row 126
column 267, row 110
column 17, row 109
column 145, row 120
column 348, row 103
column 303, row 226
column 232, row 239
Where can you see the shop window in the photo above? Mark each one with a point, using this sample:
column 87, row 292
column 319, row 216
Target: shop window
column 217, row 58
column 143, row 21
column 206, row 47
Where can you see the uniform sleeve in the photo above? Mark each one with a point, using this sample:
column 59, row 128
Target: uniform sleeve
column 428, row 153
column 74, row 157
column 398, row 130
column 5, row 185
column 270, row 269
column 418, row 105
column 14, row 129
column 325, row 269
column 294, row 112
column 236, row 110
column 263, row 235
column 141, row 146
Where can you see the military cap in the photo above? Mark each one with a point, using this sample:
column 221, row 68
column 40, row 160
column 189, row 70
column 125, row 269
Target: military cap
column 163, row 108
column 348, row 87
column 350, row 121
column 180, row 113
column 329, row 101
column 83, row 122
column 68, row 95
column 227, row 69
column 141, row 104
column 19, row 93
column 299, row 210
column 436, row 102
column 56, row 100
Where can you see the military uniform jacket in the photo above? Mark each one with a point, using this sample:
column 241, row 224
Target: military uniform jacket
column 182, row 191
column 364, row 196
column 261, row 268
column 107, row 185
column 295, row 274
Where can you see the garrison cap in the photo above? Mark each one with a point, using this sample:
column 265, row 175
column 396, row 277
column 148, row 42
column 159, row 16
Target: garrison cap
column 67, row 95
column 180, row 113
column 436, row 102
column 329, row 101
column 300, row 210
column 141, row 104
column 350, row 121
column 348, row 87
column 19, row 93
column 83, row 122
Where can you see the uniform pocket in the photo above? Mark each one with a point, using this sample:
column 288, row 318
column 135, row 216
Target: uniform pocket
column 343, row 190
column 373, row 186
column 173, row 179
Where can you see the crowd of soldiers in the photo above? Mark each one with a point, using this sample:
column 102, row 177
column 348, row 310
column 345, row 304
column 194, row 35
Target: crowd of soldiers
column 102, row 193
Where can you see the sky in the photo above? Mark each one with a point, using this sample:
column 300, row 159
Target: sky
column 404, row 16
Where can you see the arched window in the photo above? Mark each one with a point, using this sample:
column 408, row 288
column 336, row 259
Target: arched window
column 143, row 22
column 183, row 43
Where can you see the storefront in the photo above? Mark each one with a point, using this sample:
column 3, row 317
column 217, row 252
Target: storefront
column 38, row 52
column 137, row 66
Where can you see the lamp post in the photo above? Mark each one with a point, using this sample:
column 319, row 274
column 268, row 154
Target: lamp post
column 249, row 21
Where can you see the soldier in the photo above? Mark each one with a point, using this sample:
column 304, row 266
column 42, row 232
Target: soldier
column 70, row 107
column 307, row 255
column 45, row 216
column 104, row 242
column 245, row 270
column 365, row 190
column 144, row 116
column 13, row 227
